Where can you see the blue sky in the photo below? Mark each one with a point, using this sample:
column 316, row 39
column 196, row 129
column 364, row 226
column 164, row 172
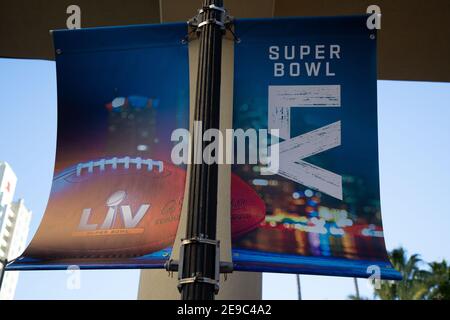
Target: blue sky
column 414, row 139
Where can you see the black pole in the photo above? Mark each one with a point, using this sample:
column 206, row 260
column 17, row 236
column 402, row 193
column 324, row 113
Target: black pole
column 299, row 287
column 2, row 272
column 355, row 280
column 199, row 261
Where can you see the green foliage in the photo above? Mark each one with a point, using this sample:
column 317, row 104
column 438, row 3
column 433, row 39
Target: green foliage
column 439, row 281
column 417, row 283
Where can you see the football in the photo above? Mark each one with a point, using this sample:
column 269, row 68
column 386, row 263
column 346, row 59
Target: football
column 248, row 210
column 125, row 207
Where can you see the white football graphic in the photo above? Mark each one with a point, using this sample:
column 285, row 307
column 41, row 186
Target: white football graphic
column 116, row 198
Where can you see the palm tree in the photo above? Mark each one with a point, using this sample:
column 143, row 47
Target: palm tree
column 439, row 281
column 414, row 285
column 356, row 296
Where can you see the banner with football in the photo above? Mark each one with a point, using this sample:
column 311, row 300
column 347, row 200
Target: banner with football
column 117, row 194
column 116, row 197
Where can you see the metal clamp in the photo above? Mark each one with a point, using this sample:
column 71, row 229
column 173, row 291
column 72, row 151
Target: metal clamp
column 170, row 265
column 212, row 7
column 198, row 279
column 199, row 21
column 200, row 240
column 211, row 21
column 196, row 23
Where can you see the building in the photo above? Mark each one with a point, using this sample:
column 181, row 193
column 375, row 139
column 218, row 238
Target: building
column 14, row 226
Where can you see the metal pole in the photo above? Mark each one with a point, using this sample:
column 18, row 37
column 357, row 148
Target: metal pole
column 299, row 288
column 199, row 258
column 356, row 288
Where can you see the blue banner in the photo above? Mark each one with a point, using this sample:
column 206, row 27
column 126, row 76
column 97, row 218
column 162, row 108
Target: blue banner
column 116, row 196
column 315, row 81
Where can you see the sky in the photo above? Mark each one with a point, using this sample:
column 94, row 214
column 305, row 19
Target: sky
column 414, row 150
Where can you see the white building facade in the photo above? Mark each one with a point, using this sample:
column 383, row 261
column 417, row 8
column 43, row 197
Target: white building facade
column 14, row 227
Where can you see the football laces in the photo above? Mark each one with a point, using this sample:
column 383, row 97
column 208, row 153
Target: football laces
column 115, row 162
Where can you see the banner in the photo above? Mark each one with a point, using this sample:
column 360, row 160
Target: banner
column 116, row 197
column 307, row 85
column 313, row 79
